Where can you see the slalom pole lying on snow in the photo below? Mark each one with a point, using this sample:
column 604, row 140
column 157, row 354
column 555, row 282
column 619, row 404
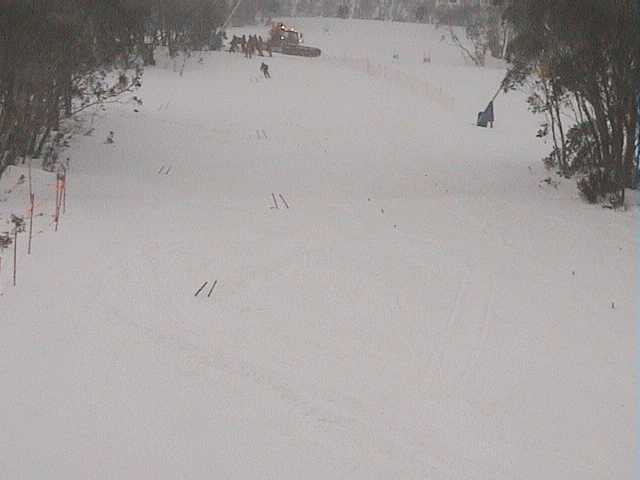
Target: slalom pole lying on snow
column 212, row 287
column 201, row 288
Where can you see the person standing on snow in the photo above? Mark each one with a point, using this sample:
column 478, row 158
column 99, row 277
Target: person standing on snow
column 260, row 46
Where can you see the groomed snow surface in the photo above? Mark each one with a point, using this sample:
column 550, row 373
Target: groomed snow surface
column 427, row 307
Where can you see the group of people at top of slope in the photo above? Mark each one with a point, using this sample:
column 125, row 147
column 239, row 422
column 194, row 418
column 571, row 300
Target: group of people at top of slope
column 249, row 46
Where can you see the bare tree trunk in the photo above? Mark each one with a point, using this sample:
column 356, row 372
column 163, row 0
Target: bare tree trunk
column 549, row 110
column 43, row 140
column 556, row 98
column 592, row 127
column 630, row 146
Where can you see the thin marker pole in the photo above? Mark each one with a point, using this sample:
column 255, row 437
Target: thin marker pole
column 15, row 254
column 58, row 198
column 32, row 196
column 64, row 194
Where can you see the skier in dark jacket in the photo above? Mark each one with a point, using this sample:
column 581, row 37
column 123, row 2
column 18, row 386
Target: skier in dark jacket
column 264, row 68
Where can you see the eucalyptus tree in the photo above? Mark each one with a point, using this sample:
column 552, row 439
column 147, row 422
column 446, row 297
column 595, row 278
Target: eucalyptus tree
column 585, row 58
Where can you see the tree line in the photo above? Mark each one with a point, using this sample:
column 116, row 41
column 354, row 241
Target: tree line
column 59, row 57
column 582, row 59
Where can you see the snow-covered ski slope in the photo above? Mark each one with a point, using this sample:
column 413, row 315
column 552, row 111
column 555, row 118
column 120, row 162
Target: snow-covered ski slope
column 426, row 308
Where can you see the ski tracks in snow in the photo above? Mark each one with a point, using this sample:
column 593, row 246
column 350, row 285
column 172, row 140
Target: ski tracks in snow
column 338, row 415
column 466, row 331
column 480, row 330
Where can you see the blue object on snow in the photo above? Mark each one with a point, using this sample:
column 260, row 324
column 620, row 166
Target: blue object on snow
column 486, row 117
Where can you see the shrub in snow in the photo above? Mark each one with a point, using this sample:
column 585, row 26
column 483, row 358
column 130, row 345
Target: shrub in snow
column 577, row 155
column 600, row 184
